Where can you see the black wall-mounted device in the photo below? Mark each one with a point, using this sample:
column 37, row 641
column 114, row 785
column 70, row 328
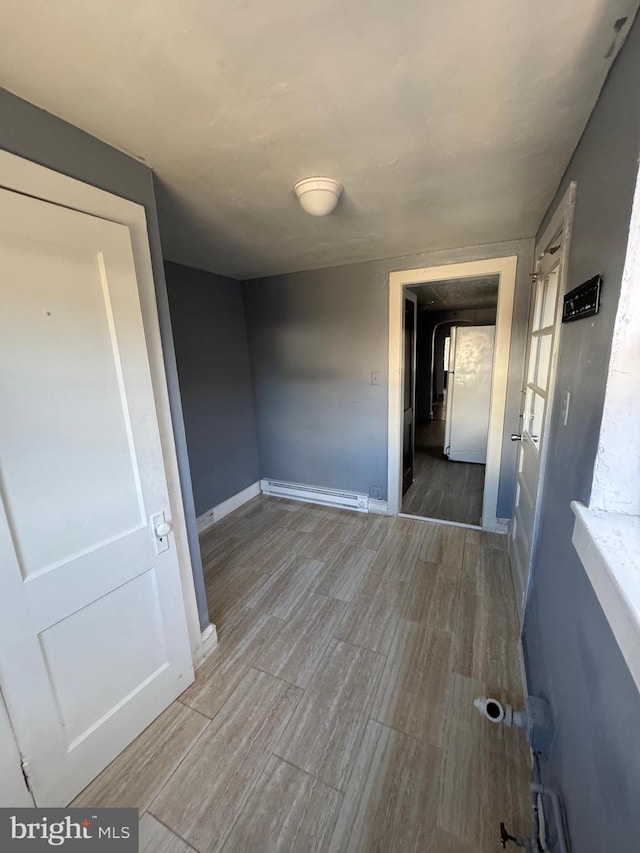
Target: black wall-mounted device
column 582, row 301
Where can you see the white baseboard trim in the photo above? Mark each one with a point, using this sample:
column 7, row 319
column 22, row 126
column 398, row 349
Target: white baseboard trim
column 439, row 521
column 217, row 512
column 208, row 642
column 378, row 507
column 316, row 495
column 499, row 525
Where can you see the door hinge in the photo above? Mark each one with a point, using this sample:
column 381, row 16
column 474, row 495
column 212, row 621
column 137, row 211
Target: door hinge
column 24, row 766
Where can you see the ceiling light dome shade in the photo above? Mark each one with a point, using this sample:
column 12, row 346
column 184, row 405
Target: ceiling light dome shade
column 318, row 196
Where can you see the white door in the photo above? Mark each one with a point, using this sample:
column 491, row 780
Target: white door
column 544, row 330
column 469, row 394
column 93, row 636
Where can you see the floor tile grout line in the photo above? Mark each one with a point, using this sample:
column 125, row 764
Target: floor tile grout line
column 358, row 646
column 243, row 671
column 211, row 719
column 191, row 708
column 172, row 831
column 365, row 711
column 278, row 677
column 247, row 794
column 223, row 840
column 179, row 764
column 453, row 630
column 307, row 773
column 322, row 657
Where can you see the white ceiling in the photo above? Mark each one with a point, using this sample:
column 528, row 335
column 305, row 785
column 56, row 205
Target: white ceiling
column 458, row 293
column 449, row 123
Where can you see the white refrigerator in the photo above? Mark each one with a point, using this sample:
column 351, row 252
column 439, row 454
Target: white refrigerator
column 469, row 393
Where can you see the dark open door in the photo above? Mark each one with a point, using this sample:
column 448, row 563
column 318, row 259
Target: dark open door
column 409, row 388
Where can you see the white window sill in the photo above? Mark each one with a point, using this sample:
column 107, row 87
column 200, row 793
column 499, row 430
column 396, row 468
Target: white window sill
column 608, row 545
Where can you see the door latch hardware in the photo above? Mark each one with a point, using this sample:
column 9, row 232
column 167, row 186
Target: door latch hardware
column 160, row 529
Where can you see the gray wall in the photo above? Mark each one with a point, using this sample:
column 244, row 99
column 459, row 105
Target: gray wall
column 207, row 315
column 572, row 657
column 36, row 135
column 315, row 337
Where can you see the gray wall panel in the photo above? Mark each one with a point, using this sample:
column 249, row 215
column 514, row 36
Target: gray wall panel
column 207, row 314
column 572, row 656
column 314, row 339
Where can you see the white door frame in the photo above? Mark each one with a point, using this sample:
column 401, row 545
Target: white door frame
column 562, row 219
column 505, row 268
column 31, row 179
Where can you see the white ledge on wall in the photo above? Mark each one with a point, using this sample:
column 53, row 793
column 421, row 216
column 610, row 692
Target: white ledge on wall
column 608, row 545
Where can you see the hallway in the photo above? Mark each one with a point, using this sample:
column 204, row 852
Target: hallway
column 336, row 713
column 452, row 491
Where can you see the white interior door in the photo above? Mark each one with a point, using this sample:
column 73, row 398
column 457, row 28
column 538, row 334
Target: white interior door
column 93, row 636
column 469, row 394
column 544, row 331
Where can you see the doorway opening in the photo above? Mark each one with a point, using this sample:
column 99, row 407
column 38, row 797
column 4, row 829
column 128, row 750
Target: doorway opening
column 454, row 349
column 435, row 425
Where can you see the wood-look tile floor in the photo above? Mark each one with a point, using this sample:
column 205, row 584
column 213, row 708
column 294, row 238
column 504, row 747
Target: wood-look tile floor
column 452, row 491
column 337, row 712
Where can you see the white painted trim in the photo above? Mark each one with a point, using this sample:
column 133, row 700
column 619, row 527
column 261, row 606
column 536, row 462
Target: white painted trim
column 29, row 178
column 504, row 267
column 338, row 498
column 562, row 219
column 606, row 535
column 214, row 514
column 378, row 507
column 616, row 473
column 608, row 545
column 439, row 521
column 208, row 642
column 502, row 526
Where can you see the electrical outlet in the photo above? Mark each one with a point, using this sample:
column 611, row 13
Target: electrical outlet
column 375, row 377
column 376, row 493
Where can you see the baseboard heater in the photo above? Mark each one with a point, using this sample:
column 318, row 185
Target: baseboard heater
column 316, row 495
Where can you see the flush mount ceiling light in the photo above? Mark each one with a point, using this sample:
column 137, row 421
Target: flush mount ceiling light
column 318, row 196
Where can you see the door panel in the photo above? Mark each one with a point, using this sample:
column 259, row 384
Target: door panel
column 537, row 394
column 93, row 638
column 58, row 351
